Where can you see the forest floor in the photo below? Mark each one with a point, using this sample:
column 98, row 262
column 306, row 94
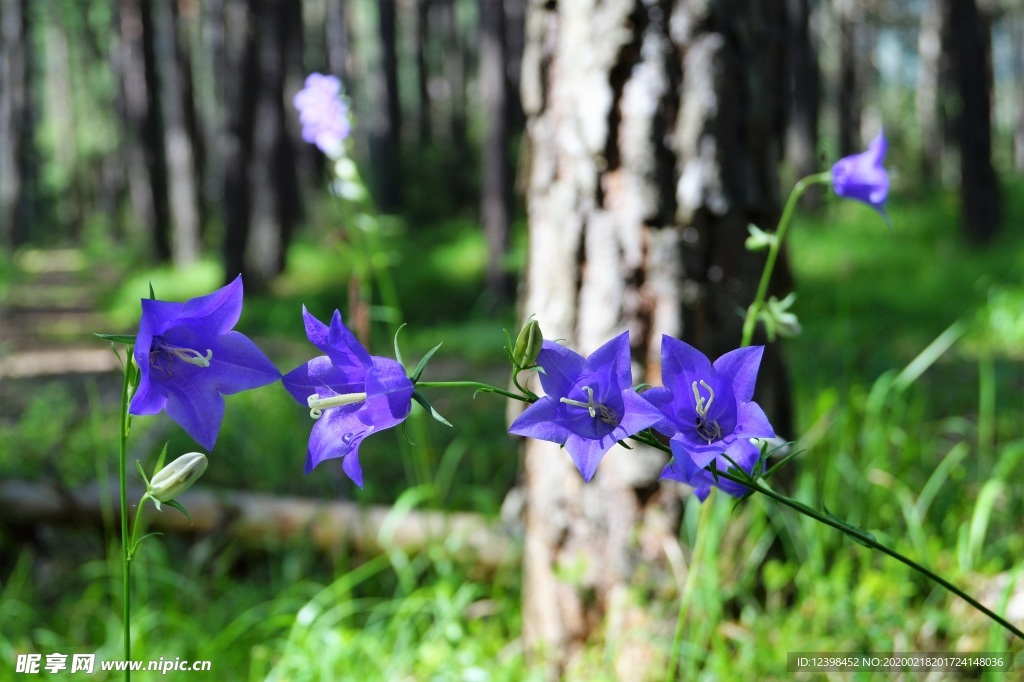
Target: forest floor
column 49, row 313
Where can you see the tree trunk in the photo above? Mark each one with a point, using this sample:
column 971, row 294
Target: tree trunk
column 929, row 82
column 970, row 48
column 654, row 135
column 496, row 189
column 422, row 70
column 15, row 122
column 260, row 184
column 236, row 147
column 1017, row 43
column 386, row 124
column 848, row 103
column 273, row 184
column 144, row 157
column 178, row 135
column 802, row 147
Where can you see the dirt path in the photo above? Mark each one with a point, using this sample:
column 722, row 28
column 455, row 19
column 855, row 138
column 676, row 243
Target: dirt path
column 49, row 313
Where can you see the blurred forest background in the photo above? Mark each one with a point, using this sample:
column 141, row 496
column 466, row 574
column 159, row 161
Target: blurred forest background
column 156, row 142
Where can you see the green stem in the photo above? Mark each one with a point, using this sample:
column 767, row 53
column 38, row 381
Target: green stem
column 123, row 484
column 135, row 527
column 773, row 251
column 858, row 535
column 486, row 388
column 687, row 594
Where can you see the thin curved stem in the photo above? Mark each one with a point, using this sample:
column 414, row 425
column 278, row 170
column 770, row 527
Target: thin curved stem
column 486, row 388
column 750, row 319
column 123, row 485
column 860, row 536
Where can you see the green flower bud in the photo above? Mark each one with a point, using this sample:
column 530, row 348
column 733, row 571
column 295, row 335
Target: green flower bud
column 176, row 477
column 759, row 239
column 528, row 345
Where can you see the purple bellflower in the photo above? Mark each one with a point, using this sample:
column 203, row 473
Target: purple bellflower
column 706, row 408
column 590, row 403
column 681, row 468
column 323, row 114
column 188, row 357
column 863, row 177
column 350, row 393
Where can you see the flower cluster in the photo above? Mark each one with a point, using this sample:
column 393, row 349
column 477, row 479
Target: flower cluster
column 189, row 356
column 706, row 410
column 323, row 114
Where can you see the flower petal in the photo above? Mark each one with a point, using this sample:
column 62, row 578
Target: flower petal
column 679, row 359
column 751, row 422
column 540, row 421
column 217, row 312
column 337, row 433
column 388, row 394
column 562, row 367
column 586, row 453
column 238, row 365
column 320, row 376
column 197, row 409
column 739, row 367
column 639, row 414
column 614, row 355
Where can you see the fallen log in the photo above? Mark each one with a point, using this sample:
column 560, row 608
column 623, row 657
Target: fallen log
column 262, row 520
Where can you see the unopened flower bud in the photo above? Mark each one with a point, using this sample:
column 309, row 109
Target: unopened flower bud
column 176, row 477
column 528, row 345
column 758, row 239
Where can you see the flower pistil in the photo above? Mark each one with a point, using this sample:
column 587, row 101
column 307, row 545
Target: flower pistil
column 192, row 357
column 708, row 429
column 317, row 405
column 596, row 410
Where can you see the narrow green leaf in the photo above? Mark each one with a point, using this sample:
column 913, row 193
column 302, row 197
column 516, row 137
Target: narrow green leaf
column 423, row 363
column 398, row 353
column 142, row 473
column 160, row 459
column 177, row 505
column 152, row 294
column 418, row 397
column 116, row 338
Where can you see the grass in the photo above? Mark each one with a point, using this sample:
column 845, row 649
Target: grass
column 930, row 461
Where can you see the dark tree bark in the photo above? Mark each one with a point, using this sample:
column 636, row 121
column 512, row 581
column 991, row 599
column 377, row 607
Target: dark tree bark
column 929, row 87
column 336, row 28
column 15, row 123
column 423, row 117
column 178, row 133
column 496, row 190
column 806, row 91
column 455, row 73
column 1017, row 41
column 654, row 142
column 970, row 48
column 236, row 148
column 142, row 106
column 261, row 188
column 848, row 102
column 386, row 125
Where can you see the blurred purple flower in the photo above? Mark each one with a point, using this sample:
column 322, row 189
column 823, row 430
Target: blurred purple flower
column 706, row 408
column 681, row 468
column 590, row 403
column 350, row 393
column 863, row 177
column 189, row 357
column 323, row 113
